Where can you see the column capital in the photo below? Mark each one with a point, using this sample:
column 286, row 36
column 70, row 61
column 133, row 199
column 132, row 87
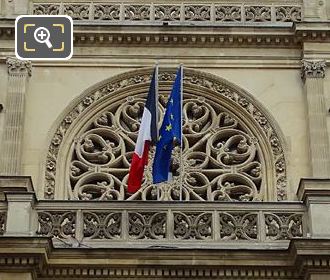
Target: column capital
column 18, row 67
column 312, row 69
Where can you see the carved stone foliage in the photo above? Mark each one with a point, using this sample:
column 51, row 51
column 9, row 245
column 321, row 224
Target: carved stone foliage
column 77, row 11
column 173, row 224
column 287, row 14
column 209, row 13
column 137, row 12
column 223, row 160
column 238, row 226
column 18, row 67
column 142, row 225
column 167, row 13
column 192, row 225
column 228, row 13
column 258, row 13
column 281, row 226
column 100, row 225
column 106, row 12
column 46, row 9
column 313, row 69
column 57, row 223
column 197, row 13
column 3, row 216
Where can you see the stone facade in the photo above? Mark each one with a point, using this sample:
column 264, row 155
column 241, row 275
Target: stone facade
column 256, row 186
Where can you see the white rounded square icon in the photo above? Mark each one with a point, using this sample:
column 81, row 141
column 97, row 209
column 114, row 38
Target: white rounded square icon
column 43, row 37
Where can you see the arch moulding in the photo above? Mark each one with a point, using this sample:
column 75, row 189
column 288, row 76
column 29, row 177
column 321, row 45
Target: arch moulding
column 233, row 149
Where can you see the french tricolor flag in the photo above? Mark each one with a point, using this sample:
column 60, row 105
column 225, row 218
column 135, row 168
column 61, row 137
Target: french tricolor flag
column 148, row 134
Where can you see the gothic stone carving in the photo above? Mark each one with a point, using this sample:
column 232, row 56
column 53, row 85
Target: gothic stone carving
column 185, row 12
column 280, row 226
column 193, row 225
column 238, row 226
column 222, row 158
column 313, row 69
column 18, row 67
column 173, row 224
column 100, row 225
column 142, row 225
column 56, row 223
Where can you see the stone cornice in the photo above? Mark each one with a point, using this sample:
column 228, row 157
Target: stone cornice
column 314, row 189
column 18, row 67
column 225, row 35
column 39, row 256
column 313, row 69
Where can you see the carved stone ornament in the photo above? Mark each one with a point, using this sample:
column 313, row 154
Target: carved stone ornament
column 313, row 69
column 177, row 12
column 18, row 67
column 231, row 150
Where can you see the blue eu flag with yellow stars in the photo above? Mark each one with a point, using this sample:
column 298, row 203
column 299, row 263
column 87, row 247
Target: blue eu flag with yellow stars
column 169, row 131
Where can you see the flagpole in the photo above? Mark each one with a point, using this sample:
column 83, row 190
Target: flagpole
column 181, row 144
column 156, row 97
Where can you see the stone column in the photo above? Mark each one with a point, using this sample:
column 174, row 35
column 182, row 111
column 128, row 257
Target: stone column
column 313, row 73
column 18, row 71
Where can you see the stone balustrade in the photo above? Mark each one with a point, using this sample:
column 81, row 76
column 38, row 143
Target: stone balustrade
column 170, row 223
column 204, row 14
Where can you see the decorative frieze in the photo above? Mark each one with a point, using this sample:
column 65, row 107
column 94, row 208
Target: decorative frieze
column 181, row 13
column 303, row 258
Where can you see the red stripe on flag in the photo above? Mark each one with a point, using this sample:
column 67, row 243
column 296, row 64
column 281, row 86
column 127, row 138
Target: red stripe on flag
column 137, row 169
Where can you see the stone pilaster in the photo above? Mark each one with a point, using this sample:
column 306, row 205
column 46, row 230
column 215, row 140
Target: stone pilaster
column 315, row 194
column 20, row 197
column 18, row 73
column 313, row 73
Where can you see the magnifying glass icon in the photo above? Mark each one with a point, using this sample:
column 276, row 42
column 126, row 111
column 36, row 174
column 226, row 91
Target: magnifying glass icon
column 41, row 35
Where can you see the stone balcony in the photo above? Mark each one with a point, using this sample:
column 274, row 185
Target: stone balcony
column 153, row 224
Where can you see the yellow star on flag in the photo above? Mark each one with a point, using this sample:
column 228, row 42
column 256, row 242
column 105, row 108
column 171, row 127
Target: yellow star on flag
column 168, row 127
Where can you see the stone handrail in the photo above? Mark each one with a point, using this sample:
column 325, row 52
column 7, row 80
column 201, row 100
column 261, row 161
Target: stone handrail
column 174, row 224
column 184, row 13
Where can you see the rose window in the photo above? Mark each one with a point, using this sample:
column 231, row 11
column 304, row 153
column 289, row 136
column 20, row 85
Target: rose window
column 230, row 150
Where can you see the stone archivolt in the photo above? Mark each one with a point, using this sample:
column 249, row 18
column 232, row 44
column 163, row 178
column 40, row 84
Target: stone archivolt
column 231, row 149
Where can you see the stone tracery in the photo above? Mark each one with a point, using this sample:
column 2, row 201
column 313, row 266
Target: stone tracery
column 223, row 157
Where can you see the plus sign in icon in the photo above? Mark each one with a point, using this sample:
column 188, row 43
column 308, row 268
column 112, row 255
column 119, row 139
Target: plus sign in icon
column 43, row 37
